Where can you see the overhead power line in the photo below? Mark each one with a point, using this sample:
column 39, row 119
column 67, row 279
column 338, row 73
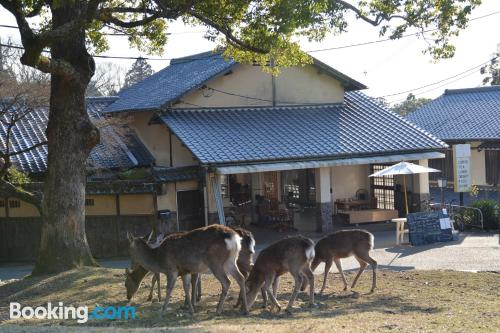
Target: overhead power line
column 440, row 81
column 201, row 58
column 388, row 39
column 437, row 87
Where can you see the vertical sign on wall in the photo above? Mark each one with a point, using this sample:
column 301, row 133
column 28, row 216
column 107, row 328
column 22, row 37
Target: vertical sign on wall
column 461, row 167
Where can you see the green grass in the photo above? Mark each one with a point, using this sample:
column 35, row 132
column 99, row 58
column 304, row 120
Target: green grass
column 404, row 301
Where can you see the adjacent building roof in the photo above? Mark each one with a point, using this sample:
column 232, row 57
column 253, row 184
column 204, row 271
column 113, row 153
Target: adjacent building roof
column 188, row 73
column 173, row 174
column 113, row 152
column 462, row 115
column 358, row 127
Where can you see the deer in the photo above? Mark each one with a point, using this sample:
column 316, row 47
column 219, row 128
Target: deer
column 135, row 276
column 215, row 248
column 343, row 244
column 294, row 255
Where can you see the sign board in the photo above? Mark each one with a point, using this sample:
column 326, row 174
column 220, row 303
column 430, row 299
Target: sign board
column 429, row 227
column 461, row 167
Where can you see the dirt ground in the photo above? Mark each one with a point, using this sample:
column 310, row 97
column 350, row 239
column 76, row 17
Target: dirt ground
column 404, row 301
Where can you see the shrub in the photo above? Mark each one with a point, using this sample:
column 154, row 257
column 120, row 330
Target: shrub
column 490, row 210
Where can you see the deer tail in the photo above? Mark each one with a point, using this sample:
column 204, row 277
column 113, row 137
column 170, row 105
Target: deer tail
column 310, row 253
column 233, row 245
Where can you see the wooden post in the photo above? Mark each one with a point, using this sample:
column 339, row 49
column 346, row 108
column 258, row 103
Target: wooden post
column 7, row 213
column 117, row 200
column 406, row 194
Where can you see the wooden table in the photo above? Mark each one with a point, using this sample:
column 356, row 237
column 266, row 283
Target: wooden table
column 400, row 229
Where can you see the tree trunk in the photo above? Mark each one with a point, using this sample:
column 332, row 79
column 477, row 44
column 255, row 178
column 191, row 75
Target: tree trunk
column 71, row 137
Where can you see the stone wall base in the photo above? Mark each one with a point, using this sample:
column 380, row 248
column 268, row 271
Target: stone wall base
column 324, row 214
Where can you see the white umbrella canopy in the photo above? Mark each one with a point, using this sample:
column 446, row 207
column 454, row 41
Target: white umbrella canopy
column 403, row 168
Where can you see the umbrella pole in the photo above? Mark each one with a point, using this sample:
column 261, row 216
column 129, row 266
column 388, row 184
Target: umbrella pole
column 406, row 195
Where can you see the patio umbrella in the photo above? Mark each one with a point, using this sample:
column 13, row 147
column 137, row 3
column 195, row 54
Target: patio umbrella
column 403, row 168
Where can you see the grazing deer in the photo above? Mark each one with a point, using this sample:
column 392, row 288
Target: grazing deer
column 343, row 244
column 244, row 262
column 135, row 276
column 294, row 255
column 215, row 248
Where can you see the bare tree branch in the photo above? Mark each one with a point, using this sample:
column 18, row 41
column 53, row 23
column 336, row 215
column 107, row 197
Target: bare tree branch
column 226, row 31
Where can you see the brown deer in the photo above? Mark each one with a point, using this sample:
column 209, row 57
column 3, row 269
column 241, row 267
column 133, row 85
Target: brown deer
column 244, row 262
column 294, row 255
column 215, row 248
column 343, row 244
column 135, row 276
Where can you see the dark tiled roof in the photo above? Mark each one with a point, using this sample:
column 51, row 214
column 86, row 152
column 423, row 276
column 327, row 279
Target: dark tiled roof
column 186, row 74
column 462, row 114
column 177, row 173
column 359, row 126
column 167, row 85
column 489, row 145
column 111, row 153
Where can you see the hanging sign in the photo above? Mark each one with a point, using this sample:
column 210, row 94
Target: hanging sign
column 461, row 167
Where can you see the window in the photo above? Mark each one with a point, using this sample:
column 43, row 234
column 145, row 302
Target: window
column 382, row 188
column 298, row 186
column 2, row 203
column 492, row 161
column 89, row 202
column 444, row 164
column 224, row 186
column 14, row 203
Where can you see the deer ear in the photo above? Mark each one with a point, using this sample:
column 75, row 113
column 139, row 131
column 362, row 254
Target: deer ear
column 130, row 237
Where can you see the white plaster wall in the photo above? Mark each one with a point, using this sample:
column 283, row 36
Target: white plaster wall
column 156, row 137
column 478, row 167
column 301, row 84
column 347, row 179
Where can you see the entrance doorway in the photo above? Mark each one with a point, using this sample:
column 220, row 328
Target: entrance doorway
column 190, row 209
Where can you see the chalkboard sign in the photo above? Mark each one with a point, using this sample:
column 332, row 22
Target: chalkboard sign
column 429, row 227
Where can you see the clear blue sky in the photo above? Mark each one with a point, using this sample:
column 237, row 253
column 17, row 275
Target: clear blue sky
column 386, row 68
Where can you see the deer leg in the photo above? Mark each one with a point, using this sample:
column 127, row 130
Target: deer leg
column 225, row 283
column 151, row 290
column 310, row 277
column 198, row 289
column 158, row 284
column 298, row 283
column 264, row 297
column 315, row 263
column 267, row 287
column 240, row 279
column 186, row 284
column 276, row 284
column 194, row 288
column 171, row 277
column 368, row 260
column 338, row 263
column 328, row 265
column 362, row 266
